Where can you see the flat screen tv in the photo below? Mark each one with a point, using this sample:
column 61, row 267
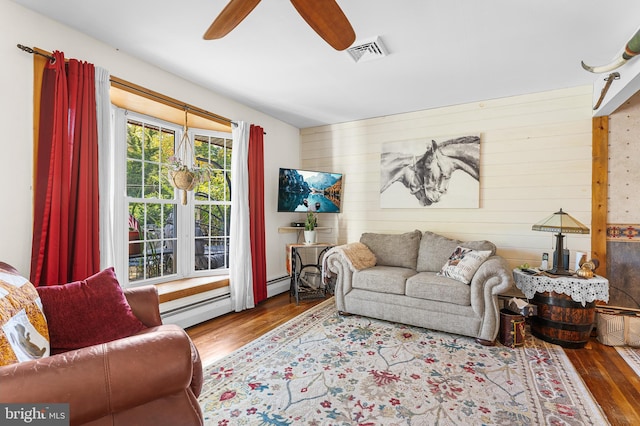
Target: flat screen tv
column 304, row 190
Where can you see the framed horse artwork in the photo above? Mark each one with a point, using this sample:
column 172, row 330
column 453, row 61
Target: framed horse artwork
column 442, row 173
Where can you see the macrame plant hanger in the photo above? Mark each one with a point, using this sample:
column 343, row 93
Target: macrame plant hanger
column 183, row 177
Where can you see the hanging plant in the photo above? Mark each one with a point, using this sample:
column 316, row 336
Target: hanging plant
column 181, row 176
column 186, row 178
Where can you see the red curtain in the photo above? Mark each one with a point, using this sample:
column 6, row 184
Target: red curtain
column 256, row 212
column 65, row 244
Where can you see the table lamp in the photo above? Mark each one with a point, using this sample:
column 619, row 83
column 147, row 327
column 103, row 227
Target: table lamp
column 560, row 222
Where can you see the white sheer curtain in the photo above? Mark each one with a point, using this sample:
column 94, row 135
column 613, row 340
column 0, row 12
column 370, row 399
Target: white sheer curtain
column 106, row 169
column 240, row 271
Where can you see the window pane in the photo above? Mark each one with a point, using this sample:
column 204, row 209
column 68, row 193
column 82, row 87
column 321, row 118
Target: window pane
column 211, row 253
column 227, row 186
column 212, row 229
column 201, row 258
column 213, row 203
column 167, row 191
column 169, row 229
column 134, row 178
column 201, row 148
column 134, row 140
column 228, row 154
column 169, row 239
column 152, row 180
column 202, row 191
column 219, row 220
column 167, row 145
column 152, row 254
column 152, row 144
column 216, row 190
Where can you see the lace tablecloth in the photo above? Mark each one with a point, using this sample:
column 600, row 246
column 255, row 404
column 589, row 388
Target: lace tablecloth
column 580, row 289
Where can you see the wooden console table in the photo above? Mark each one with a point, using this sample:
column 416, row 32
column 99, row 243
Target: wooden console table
column 566, row 305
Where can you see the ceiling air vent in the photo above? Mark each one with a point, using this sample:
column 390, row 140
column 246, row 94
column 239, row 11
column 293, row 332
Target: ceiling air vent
column 368, row 50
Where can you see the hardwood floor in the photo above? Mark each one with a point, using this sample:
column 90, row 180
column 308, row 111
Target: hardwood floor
column 612, row 382
column 223, row 335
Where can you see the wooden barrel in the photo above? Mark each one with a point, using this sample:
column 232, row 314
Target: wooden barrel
column 562, row 321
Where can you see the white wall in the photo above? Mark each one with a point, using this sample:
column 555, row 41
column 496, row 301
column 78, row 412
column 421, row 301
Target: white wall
column 22, row 26
column 535, row 159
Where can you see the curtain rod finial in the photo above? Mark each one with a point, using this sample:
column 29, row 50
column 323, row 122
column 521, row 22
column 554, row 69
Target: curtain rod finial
column 25, row 48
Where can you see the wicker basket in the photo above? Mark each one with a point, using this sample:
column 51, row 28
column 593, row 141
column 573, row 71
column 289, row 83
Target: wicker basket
column 632, row 330
column 610, row 328
column 184, row 180
column 616, row 329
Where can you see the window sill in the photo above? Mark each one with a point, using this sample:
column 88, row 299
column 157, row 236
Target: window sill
column 179, row 289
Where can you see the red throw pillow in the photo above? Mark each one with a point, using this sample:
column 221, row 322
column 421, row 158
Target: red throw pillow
column 89, row 312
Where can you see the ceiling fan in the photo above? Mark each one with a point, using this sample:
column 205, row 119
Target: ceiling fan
column 324, row 16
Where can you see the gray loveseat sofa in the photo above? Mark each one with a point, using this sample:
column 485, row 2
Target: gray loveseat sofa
column 406, row 284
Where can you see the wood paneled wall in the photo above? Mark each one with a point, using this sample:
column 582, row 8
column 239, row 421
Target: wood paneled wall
column 623, row 209
column 536, row 157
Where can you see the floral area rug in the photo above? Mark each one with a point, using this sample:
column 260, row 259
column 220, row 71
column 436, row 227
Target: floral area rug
column 631, row 357
column 325, row 369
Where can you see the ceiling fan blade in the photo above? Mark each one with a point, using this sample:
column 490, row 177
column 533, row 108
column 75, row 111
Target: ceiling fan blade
column 229, row 18
column 327, row 19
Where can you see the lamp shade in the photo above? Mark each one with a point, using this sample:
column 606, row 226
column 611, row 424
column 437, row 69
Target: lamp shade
column 561, row 222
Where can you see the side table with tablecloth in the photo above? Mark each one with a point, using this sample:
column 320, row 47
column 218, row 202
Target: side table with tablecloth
column 566, row 305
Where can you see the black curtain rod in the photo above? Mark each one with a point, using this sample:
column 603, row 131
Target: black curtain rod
column 35, row 52
column 235, row 124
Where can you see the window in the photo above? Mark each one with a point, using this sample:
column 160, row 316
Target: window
column 213, row 202
column 168, row 240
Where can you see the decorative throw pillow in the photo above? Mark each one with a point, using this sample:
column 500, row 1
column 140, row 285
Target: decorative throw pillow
column 23, row 328
column 463, row 264
column 89, row 312
column 394, row 249
column 435, row 250
column 357, row 255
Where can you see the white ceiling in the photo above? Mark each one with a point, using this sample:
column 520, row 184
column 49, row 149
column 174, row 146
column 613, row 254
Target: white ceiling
column 442, row 52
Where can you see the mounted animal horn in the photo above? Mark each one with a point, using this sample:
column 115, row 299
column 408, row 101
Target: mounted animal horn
column 630, row 50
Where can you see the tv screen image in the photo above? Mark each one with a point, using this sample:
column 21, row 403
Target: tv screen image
column 304, row 190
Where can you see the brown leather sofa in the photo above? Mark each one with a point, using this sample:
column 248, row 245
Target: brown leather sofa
column 151, row 378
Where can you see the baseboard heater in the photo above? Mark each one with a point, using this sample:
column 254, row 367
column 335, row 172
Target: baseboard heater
column 189, row 314
column 194, row 313
column 278, row 285
column 278, row 279
column 194, row 305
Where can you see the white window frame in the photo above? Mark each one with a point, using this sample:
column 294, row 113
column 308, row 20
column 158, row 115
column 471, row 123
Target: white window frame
column 185, row 228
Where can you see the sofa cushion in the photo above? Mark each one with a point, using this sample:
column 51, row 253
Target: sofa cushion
column 89, row 312
column 463, row 263
column 24, row 334
column 431, row 286
column 435, row 250
column 394, row 249
column 382, row 279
